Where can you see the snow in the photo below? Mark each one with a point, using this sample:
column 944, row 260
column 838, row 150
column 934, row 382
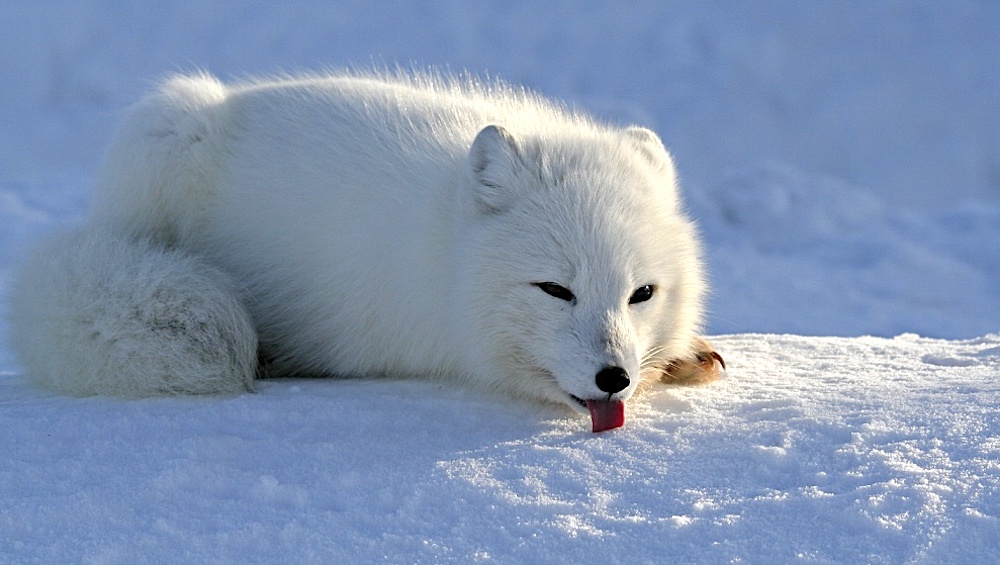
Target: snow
column 822, row 450
column 843, row 162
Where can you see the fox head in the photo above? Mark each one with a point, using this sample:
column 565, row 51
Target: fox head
column 583, row 272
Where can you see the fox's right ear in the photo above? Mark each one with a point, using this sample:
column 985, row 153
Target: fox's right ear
column 495, row 159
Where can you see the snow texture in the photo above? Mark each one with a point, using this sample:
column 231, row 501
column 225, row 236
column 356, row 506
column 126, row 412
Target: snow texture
column 819, row 450
column 843, row 160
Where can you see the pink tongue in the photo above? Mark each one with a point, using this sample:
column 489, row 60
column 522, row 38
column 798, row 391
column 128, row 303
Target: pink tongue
column 606, row 414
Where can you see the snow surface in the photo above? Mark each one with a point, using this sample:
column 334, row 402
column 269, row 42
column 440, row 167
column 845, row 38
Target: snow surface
column 819, row 450
column 843, row 160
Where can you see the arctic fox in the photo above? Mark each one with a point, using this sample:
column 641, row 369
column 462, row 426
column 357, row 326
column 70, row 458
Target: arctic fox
column 370, row 225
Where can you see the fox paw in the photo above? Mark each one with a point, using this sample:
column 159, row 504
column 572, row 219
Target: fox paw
column 703, row 367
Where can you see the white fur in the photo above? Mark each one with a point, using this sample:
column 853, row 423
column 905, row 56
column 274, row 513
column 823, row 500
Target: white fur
column 92, row 312
column 379, row 228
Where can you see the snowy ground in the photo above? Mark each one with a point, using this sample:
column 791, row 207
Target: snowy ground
column 843, row 160
column 819, row 450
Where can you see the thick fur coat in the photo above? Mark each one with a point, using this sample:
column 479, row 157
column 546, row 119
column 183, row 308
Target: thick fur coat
column 369, row 225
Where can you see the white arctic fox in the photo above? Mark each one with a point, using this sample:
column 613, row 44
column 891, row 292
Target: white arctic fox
column 369, row 225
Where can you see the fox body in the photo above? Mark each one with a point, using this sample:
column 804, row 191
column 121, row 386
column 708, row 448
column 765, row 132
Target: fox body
column 369, row 225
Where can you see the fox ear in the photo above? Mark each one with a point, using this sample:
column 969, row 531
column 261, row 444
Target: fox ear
column 495, row 159
column 649, row 146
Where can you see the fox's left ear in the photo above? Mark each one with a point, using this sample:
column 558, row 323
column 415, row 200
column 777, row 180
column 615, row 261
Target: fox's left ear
column 649, row 146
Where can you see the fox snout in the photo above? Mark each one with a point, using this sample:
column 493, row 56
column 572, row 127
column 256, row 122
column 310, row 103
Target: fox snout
column 612, row 379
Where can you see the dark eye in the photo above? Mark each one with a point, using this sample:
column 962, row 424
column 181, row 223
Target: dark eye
column 642, row 294
column 554, row 290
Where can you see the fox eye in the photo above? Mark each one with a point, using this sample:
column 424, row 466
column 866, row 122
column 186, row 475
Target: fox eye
column 556, row 291
column 642, row 294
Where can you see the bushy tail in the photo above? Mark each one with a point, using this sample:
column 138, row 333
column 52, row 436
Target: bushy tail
column 92, row 312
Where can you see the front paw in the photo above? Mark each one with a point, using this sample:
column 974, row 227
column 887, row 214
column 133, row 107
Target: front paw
column 704, row 366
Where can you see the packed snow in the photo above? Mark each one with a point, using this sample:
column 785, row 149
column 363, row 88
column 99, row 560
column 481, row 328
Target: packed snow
column 843, row 161
column 820, row 450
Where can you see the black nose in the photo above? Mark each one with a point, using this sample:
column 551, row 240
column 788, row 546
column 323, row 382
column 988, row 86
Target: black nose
column 612, row 379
